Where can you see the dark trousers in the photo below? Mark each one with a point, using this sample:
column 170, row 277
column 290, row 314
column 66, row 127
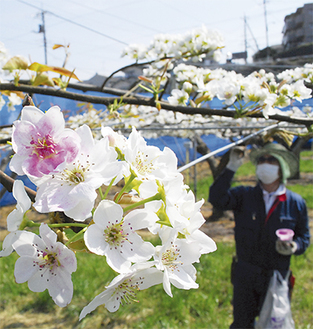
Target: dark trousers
column 250, row 286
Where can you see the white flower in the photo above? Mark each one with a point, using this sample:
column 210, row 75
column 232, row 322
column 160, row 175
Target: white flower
column 15, row 218
column 149, row 162
column 299, row 91
column 45, row 264
column 179, row 97
column 227, row 91
column 268, row 108
column 115, row 139
column 115, row 237
column 124, row 288
column 174, row 258
column 14, row 100
column 71, row 188
column 186, row 218
column 187, row 87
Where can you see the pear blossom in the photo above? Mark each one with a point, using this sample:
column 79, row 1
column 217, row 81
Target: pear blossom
column 41, row 142
column 180, row 209
column 187, row 87
column 186, row 217
column 149, row 162
column 227, row 91
column 115, row 139
column 115, row 237
column 268, row 108
column 175, row 259
column 179, row 97
column 14, row 100
column 299, row 91
column 45, row 264
column 71, row 188
column 15, row 218
column 124, row 288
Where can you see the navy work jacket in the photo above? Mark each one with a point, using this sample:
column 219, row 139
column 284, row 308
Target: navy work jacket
column 255, row 238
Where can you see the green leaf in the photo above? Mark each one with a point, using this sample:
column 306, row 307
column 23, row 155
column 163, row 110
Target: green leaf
column 16, row 63
column 37, row 67
column 42, row 79
column 78, row 245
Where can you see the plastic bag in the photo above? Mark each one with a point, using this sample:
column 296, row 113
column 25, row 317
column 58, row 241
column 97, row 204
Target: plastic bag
column 276, row 311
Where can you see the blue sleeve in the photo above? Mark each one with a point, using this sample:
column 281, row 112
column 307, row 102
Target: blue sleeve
column 221, row 196
column 302, row 230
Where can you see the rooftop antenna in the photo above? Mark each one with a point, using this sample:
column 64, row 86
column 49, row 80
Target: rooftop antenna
column 42, row 29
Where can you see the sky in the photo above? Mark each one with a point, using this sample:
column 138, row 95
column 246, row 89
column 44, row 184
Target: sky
column 97, row 31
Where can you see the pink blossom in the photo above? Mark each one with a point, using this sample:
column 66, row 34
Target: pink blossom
column 41, row 142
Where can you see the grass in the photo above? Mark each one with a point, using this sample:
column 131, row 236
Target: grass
column 209, row 306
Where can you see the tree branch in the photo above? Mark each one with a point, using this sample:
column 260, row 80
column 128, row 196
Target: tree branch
column 140, row 100
column 8, row 181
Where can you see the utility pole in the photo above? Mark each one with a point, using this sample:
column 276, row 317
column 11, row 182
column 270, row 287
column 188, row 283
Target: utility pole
column 266, row 31
column 42, row 29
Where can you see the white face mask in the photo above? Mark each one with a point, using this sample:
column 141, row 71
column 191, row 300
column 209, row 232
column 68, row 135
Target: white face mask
column 267, row 173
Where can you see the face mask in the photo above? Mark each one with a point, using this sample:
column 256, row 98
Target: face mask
column 267, row 173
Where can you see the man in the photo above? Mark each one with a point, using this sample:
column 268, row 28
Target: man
column 259, row 212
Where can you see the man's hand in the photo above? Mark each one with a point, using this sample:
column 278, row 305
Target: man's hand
column 235, row 158
column 286, row 248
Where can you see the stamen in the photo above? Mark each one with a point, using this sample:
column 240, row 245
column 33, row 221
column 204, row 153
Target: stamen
column 142, row 164
column 115, row 235
column 170, row 258
column 44, row 146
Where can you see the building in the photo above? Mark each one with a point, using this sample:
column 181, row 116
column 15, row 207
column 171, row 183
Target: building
column 297, row 44
column 298, row 28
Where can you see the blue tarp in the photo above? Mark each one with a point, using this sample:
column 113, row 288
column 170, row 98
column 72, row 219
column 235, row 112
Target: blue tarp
column 69, row 107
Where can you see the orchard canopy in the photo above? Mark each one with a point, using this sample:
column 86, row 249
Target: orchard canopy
column 171, row 91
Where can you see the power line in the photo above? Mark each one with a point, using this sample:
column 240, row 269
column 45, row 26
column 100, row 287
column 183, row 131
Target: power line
column 75, row 23
column 115, row 16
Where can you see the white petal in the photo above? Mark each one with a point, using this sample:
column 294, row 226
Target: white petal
column 138, row 250
column 26, row 243
column 7, row 248
column 61, row 288
column 95, row 240
column 15, row 219
column 182, row 280
column 97, row 301
column 31, row 113
column 66, row 257
column 166, row 284
column 140, row 218
column 81, row 211
column 117, row 262
column 24, row 269
column 207, row 244
column 107, row 212
column 39, row 281
column 48, row 236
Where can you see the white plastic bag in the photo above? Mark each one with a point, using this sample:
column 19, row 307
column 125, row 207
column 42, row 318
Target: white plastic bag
column 276, row 311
